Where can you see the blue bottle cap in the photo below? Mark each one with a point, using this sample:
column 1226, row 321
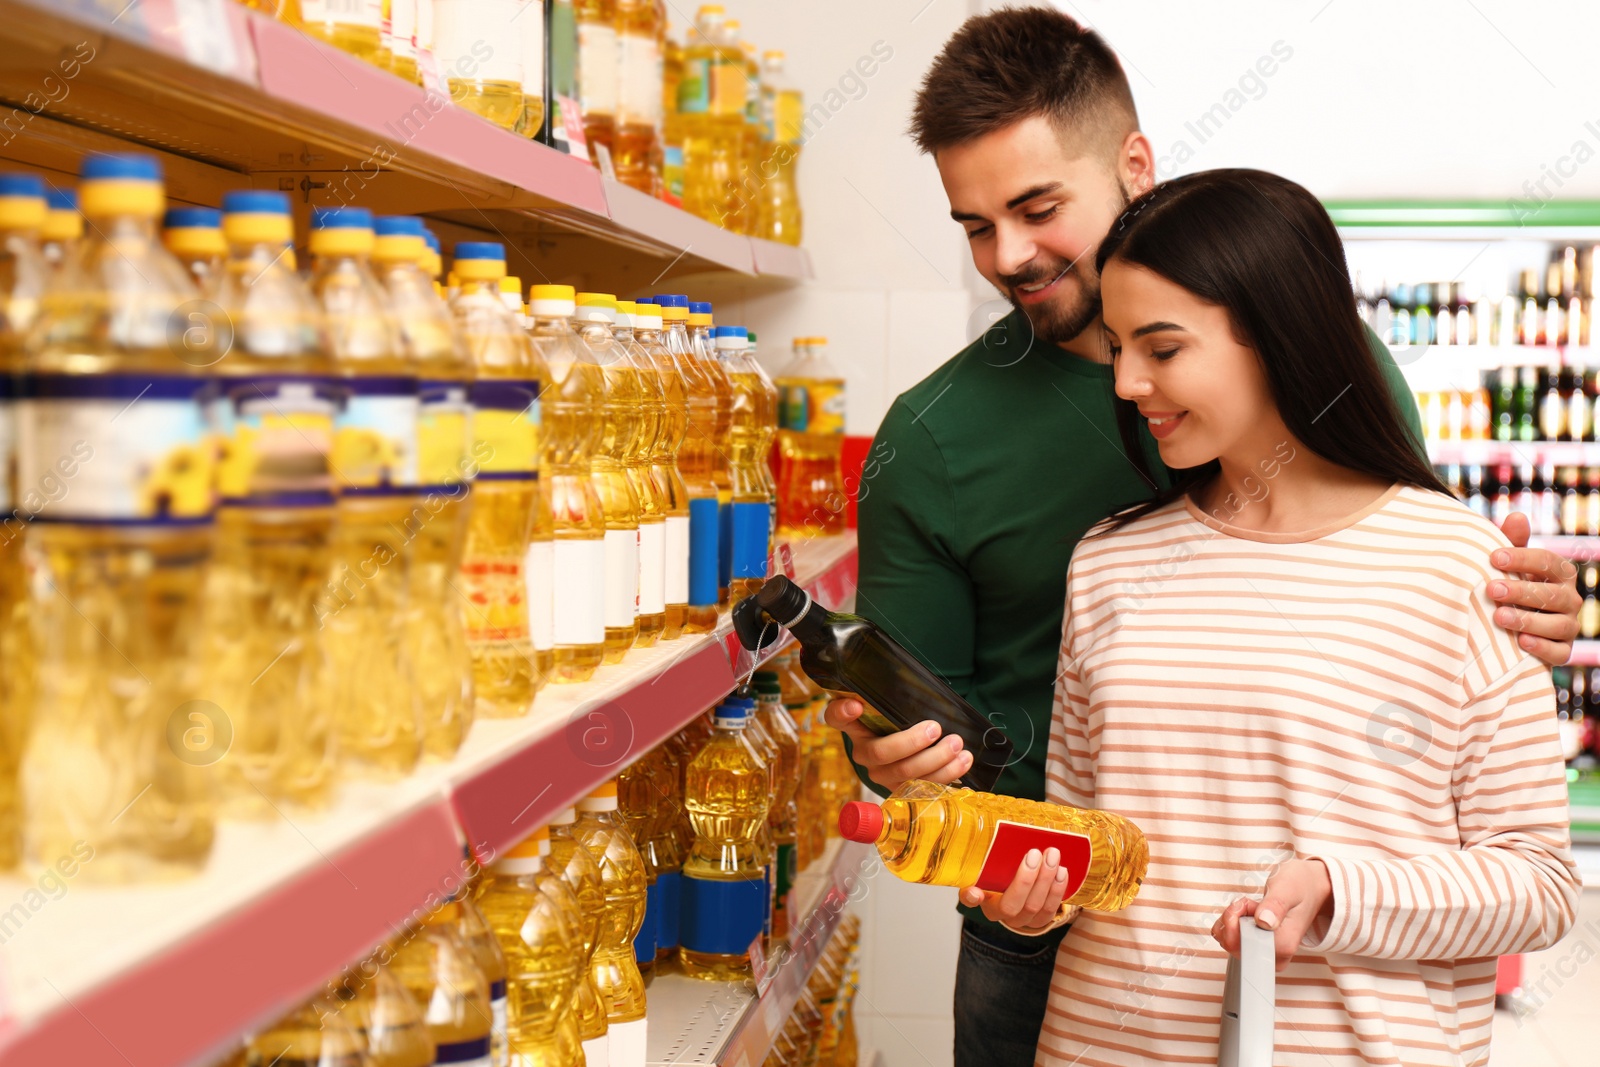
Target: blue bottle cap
column 20, row 183
column 672, row 301
column 733, row 708
column 480, row 250
column 255, row 202
column 132, row 166
column 341, row 218
column 432, row 238
column 192, row 218
column 61, row 199
column 398, row 226
column 699, row 307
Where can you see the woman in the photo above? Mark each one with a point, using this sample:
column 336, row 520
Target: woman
column 1285, row 669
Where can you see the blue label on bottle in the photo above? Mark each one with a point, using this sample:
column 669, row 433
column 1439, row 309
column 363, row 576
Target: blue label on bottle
column 645, row 941
column 670, row 884
column 462, row 1051
column 724, row 544
column 748, row 531
column 722, row 918
column 703, row 541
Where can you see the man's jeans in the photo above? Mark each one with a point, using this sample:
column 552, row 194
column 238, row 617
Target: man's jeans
column 1002, row 986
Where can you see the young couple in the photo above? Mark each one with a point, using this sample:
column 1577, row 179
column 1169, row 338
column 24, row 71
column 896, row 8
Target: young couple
column 1313, row 678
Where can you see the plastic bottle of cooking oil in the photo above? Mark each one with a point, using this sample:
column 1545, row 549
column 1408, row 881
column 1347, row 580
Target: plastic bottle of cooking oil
column 478, row 46
column 782, row 814
column 711, row 97
column 666, row 483
column 441, row 971
column 666, row 845
column 623, row 413
column 768, row 434
column 639, row 790
column 638, row 123
column 778, row 216
column 271, row 421
column 616, row 972
column 377, row 715
column 507, row 398
column 580, row 871
column 750, row 518
column 123, row 551
column 640, row 464
column 354, row 27
column 941, row 835
column 319, row 1033
column 389, row 1018
column 511, row 296
column 598, row 76
column 704, row 347
column 475, row 931
column 695, row 464
column 799, row 700
column 194, row 237
column 766, row 747
column 573, row 424
column 529, row 24
column 672, row 120
column 811, row 497
column 541, row 937
column 437, row 528
column 747, row 187
column 62, row 228
column 724, row 885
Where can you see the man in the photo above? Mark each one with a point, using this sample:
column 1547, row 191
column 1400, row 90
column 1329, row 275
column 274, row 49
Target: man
column 1009, row 452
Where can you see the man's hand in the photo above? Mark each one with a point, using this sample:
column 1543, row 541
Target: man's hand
column 1032, row 899
column 899, row 757
column 1293, row 898
column 1542, row 607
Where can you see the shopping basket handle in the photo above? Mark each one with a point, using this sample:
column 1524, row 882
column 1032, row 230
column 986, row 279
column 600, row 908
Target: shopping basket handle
column 1249, row 999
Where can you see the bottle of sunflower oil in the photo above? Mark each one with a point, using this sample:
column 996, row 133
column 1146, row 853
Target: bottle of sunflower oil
column 478, row 45
column 748, row 185
column 579, row 872
column 316, row 1033
column 778, row 216
column 664, row 845
column 654, row 501
column 389, row 1018
column 749, row 509
column 530, row 33
column 782, row 815
column 643, row 789
column 507, row 397
column 574, row 423
column 766, row 747
column 474, row 929
column 695, row 464
column 704, row 347
column 638, row 122
column 623, row 412
column 354, row 26
column 724, row 885
column 271, row 424
column 616, row 972
column 811, row 499
column 377, row 716
column 120, row 501
column 672, row 173
column 22, row 280
column 437, row 528
column 540, row 934
column 769, row 433
column 598, row 76
column 823, row 985
column 711, row 98
column 62, row 228
column 194, row 237
column 441, row 972
column 666, row 483
column 811, row 831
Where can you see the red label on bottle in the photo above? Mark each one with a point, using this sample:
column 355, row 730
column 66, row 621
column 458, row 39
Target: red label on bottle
column 1012, row 840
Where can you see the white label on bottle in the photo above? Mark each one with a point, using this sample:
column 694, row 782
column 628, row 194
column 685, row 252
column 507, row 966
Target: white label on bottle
column 540, row 575
column 639, row 89
column 596, row 1051
column 347, row 12
column 677, row 559
column 622, row 577
column 579, row 582
column 403, row 27
column 530, row 25
column 652, row 568
column 597, row 69
column 475, row 40
column 627, row 1043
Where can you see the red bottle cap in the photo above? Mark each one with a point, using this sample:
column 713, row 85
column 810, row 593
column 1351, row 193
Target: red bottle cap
column 860, row 821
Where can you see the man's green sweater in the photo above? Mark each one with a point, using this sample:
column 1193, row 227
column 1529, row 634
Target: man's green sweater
column 988, row 472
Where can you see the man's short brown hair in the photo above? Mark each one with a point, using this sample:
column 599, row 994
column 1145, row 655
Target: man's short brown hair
column 1016, row 63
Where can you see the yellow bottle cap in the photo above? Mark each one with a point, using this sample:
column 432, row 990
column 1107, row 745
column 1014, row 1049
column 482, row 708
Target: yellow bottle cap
column 774, row 53
column 553, row 292
column 699, row 320
column 710, row 9
column 671, row 314
column 511, row 284
column 61, row 225
column 342, row 241
column 257, row 227
column 607, row 788
column 596, row 300
column 535, row 844
column 627, row 307
column 448, row 912
column 400, row 247
column 22, row 212
column 480, row 270
column 194, row 241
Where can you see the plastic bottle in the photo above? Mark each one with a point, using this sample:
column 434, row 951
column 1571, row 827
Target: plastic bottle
column 435, row 635
column 441, row 971
column 316, row 1034
column 389, row 1018
column 640, row 789
column 943, row 835
column 478, row 46
column 475, row 931
column 811, row 497
column 768, row 434
column 672, row 495
column 529, row 25
column 712, row 100
column 638, row 125
column 354, row 26
column 672, row 173
column 580, row 871
column 778, row 215
column 749, row 508
column 194, row 237
column 507, row 398
column 572, row 431
column 783, row 814
column 598, row 76
column 377, row 715
column 622, row 414
column 704, row 346
column 724, row 885
column 800, row 701
column 616, row 972
column 271, row 421
column 62, row 228
column 641, row 462
column 695, row 460
column 122, row 552
column 747, row 186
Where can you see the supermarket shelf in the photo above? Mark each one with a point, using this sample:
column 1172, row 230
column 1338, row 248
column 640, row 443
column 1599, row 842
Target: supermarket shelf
column 1462, row 219
column 170, row 974
column 1489, row 453
column 726, row 1023
column 230, row 97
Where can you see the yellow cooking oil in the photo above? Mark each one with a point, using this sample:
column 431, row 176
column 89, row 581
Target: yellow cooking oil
column 695, row 463
column 194, row 237
column 672, row 119
column 441, row 972
column 623, row 412
column 574, row 424
column 479, row 49
column 749, row 526
column 726, row 791
column 778, row 214
column 320, row 1033
column 474, row 929
column 435, row 635
column 271, row 420
column 377, row 713
column 812, row 500
column 598, row 73
column 616, row 972
column 356, row 28
column 640, row 465
column 712, row 102
column 389, row 1018
column 116, row 551
column 672, row 495
column 637, row 142
column 507, row 403
column 704, row 346
column 641, row 788
column 578, row 870
column 782, row 813
column 768, row 433
column 799, row 700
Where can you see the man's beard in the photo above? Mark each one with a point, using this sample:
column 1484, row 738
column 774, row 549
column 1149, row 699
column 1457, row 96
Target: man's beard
column 1053, row 320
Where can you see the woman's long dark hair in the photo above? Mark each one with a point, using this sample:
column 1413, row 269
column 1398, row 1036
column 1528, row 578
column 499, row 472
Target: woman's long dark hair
column 1264, row 249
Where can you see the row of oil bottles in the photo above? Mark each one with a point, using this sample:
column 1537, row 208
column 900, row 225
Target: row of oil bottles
column 682, row 864
column 254, row 524
column 705, row 124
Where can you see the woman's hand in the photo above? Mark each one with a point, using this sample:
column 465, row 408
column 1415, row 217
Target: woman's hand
column 1542, row 608
column 896, row 758
column 1296, row 895
column 1030, row 902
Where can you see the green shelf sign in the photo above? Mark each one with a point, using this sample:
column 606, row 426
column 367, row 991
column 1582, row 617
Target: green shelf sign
column 1512, row 213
